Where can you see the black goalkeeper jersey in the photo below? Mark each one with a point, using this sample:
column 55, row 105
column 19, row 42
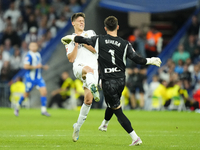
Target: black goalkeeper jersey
column 112, row 54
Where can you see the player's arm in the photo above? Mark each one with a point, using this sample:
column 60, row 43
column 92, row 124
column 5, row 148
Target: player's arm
column 90, row 48
column 131, row 54
column 72, row 56
column 89, row 41
column 29, row 67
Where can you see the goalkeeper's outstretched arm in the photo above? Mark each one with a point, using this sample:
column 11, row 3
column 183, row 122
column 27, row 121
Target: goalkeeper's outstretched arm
column 131, row 54
column 89, row 41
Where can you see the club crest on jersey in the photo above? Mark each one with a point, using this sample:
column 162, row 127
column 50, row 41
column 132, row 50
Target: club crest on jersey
column 111, row 70
column 86, row 35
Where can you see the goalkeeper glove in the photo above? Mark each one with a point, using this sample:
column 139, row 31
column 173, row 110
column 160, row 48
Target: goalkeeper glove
column 153, row 61
column 67, row 39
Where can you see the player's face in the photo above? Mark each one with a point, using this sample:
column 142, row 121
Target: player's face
column 33, row 47
column 79, row 24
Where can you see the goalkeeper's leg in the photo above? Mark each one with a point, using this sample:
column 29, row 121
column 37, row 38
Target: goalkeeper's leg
column 108, row 116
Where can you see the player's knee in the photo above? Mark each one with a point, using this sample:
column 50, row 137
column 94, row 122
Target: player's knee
column 43, row 93
column 88, row 101
column 26, row 95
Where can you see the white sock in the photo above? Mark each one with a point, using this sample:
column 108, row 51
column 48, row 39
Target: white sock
column 83, row 115
column 105, row 122
column 133, row 135
column 43, row 109
column 90, row 79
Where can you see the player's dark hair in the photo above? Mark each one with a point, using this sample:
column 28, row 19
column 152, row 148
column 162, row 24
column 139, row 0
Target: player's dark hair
column 111, row 23
column 76, row 15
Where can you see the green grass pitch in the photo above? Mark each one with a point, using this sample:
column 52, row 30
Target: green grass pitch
column 158, row 130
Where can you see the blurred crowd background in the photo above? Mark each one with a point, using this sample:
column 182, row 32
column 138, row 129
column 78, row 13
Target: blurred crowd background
column 176, row 85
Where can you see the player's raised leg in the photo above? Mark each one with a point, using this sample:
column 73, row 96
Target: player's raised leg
column 88, row 75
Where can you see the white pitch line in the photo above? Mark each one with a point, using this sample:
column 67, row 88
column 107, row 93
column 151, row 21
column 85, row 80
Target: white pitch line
column 95, row 135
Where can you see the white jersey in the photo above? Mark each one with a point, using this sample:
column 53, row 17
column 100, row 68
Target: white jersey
column 84, row 56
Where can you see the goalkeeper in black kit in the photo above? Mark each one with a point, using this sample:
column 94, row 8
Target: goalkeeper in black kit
column 113, row 52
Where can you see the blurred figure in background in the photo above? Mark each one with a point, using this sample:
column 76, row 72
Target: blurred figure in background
column 153, row 44
column 181, row 54
column 33, row 77
column 17, row 89
column 137, row 42
column 63, row 93
column 135, row 84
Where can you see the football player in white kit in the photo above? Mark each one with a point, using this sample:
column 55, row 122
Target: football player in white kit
column 85, row 68
column 33, row 77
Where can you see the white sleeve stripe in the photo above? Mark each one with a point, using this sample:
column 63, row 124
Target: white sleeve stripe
column 97, row 46
column 124, row 56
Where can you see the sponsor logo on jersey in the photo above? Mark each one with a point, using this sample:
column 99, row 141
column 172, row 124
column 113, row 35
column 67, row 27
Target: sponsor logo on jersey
column 111, row 70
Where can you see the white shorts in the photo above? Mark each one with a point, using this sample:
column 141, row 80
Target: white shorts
column 77, row 70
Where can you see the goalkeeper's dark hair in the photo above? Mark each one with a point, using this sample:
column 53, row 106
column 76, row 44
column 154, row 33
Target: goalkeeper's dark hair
column 111, row 23
column 76, row 15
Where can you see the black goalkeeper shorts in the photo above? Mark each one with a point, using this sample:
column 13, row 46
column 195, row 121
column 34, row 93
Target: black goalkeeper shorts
column 112, row 90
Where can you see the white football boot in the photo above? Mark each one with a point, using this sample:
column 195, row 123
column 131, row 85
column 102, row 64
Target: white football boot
column 137, row 142
column 75, row 134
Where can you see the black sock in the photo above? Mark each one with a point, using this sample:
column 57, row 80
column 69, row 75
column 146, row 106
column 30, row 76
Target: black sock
column 123, row 120
column 108, row 114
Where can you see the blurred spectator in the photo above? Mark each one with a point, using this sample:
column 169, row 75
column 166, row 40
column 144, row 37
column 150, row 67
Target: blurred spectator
column 51, row 16
column 2, row 26
column 8, row 47
column 47, row 39
column 26, row 13
column 67, row 12
column 137, row 42
column 17, row 89
column 63, row 93
column 153, row 85
column 179, row 68
column 135, row 84
column 181, row 54
column 53, row 28
column 23, row 50
column 32, row 22
column 1, row 62
column 153, row 44
column 32, row 35
column 190, row 45
column 195, row 75
column 13, row 13
column 74, row 6
column 5, row 54
column 61, row 22
column 58, row 6
column 5, row 75
column 188, row 62
column 194, row 27
column 21, row 27
column 166, row 70
column 43, row 7
column 19, row 4
column 12, row 35
column 15, row 61
column 42, row 27
column 186, row 75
